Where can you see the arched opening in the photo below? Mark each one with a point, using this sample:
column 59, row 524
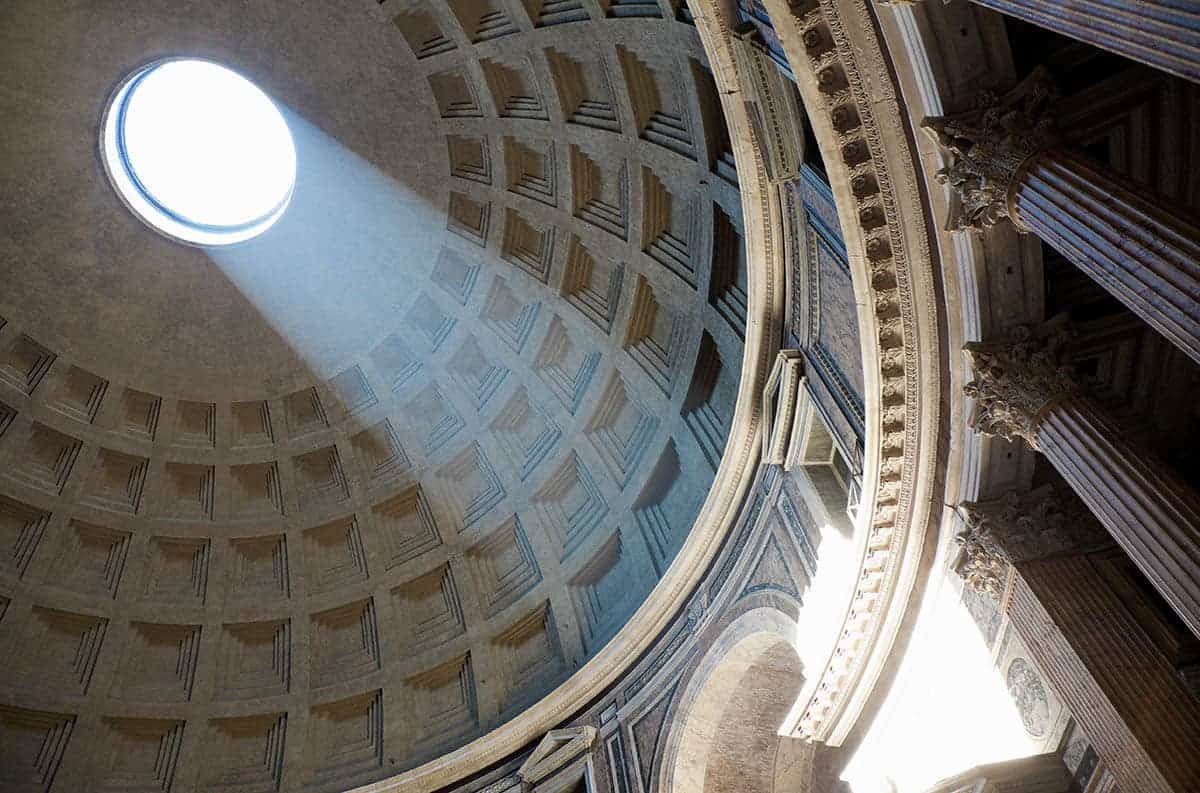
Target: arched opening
column 728, row 736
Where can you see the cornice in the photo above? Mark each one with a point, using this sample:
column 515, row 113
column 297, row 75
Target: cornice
column 845, row 82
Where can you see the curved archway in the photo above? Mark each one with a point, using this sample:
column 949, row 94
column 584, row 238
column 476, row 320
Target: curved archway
column 726, row 735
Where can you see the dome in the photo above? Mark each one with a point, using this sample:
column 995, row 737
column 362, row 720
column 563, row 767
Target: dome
column 575, row 396
column 366, row 484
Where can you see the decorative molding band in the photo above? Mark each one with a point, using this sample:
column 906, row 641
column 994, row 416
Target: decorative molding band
column 833, row 47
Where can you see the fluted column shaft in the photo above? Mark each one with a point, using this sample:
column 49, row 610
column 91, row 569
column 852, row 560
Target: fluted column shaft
column 1008, row 164
column 1152, row 514
column 1145, row 255
column 1022, row 389
column 1142, row 720
column 1164, row 34
column 1085, row 632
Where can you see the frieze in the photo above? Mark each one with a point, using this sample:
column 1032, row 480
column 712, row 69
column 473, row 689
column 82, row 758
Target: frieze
column 795, row 517
column 771, row 573
column 821, row 248
column 744, row 531
column 617, row 764
column 818, row 201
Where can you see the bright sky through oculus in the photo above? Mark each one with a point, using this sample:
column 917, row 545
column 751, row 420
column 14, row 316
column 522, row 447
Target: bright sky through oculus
column 199, row 152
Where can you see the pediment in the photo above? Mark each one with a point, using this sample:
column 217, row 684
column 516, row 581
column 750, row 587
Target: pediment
column 556, row 749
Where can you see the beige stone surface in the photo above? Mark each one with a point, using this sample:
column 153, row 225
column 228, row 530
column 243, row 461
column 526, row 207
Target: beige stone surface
column 328, row 503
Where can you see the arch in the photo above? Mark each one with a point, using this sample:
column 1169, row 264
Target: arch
column 724, row 734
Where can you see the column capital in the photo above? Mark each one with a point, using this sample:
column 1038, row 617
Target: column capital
column 982, row 563
column 1018, row 379
column 1019, row 528
column 989, row 145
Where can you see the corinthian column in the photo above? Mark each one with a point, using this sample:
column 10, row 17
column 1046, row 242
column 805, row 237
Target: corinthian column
column 1086, row 640
column 1164, row 34
column 1022, row 391
column 1008, row 164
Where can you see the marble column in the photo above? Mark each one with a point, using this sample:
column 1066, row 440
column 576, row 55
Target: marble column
column 1008, row 164
column 1114, row 679
column 1022, row 391
column 1164, row 34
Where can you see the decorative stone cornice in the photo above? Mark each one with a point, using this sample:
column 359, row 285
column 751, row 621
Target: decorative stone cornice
column 836, row 57
column 771, row 107
column 1017, row 380
column 780, row 398
column 990, row 143
column 1018, row 528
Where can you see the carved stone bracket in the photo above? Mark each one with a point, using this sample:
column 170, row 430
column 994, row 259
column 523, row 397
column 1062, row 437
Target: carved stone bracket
column 1018, row 380
column 828, row 44
column 990, row 144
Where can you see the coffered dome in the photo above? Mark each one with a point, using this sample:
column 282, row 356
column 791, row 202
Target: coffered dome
column 308, row 510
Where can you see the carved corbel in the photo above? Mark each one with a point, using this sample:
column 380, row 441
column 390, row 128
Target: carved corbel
column 990, row 145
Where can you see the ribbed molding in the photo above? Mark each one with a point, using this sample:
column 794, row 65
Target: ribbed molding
column 1145, row 255
column 1152, row 514
column 1162, row 33
column 1138, row 714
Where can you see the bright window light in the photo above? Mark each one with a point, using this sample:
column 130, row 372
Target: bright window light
column 948, row 711
column 199, row 152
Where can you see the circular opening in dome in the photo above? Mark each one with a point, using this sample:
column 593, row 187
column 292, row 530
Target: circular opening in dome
column 198, row 152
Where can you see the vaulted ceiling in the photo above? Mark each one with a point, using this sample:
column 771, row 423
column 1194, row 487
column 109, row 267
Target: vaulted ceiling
column 310, row 510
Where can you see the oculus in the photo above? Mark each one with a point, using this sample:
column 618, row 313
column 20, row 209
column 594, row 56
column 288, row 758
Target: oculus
column 198, row 152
